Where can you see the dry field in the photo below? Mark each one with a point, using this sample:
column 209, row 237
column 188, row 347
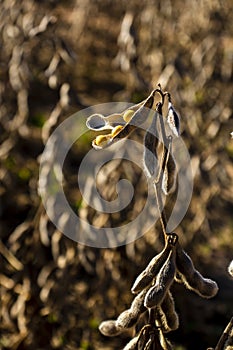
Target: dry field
column 58, row 57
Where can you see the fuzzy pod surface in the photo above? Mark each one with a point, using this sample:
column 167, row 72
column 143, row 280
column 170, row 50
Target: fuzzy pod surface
column 165, row 278
column 152, row 269
column 192, row 278
column 169, row 317
column 109, row 328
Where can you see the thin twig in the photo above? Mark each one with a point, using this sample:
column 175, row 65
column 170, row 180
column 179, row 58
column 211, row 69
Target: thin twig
column 158, row 182
column 162, row 214
column 12, row 260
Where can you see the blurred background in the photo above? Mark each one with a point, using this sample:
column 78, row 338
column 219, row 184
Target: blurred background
column 58, row 57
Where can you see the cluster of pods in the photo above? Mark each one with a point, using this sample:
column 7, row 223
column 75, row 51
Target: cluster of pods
column 152, row 288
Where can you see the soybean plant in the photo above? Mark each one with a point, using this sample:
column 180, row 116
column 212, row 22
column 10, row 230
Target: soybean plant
column 152, row 287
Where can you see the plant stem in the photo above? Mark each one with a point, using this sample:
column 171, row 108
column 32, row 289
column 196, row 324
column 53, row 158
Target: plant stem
column 162, row 214
column 158, row 181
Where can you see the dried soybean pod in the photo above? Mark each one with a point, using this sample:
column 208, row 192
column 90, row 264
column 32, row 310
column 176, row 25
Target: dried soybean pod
column 129, row 318
column 143, row 336
column 152, row 269
column 163, row 171
column 191, row 278
column 129, row 112
column 137, row 305
column 169, row 316
column 161, row 319
column 142, row 113
column 169, row 175
column 109, row 328
column 126, row 319
column 142, row 281
column 173, row 120
column 167, row 168
column 156, row 293
column 150, row 148
column 149, row 344
column 166, row 345
column 155, row 341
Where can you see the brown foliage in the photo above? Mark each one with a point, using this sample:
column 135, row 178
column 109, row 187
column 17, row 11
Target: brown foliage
column 58, row 57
